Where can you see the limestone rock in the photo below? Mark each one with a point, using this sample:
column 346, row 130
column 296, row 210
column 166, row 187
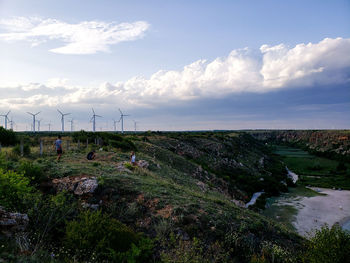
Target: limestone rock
column 142, row 164
column 79, row 185
column 87, row 186
column 202, row 186
column 12, row 222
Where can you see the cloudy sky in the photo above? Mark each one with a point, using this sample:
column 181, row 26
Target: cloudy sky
column 177, row 65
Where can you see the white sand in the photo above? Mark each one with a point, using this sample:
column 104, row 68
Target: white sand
column 319, row 210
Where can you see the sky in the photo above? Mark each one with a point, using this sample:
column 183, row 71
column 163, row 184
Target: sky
column 176, row 65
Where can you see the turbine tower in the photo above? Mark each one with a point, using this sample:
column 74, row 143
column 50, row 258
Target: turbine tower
column 122, row 119
column 62, row 118
column 33, row 125
column 135, row 122
column 6, row 118
column 93, row 119
column 71, row 124
column 49, row 124
column 39, row 121
column 115, row 124
column 12, row 123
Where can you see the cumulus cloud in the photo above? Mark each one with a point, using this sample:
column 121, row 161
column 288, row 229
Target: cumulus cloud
column 244, row 70
column 87, row 37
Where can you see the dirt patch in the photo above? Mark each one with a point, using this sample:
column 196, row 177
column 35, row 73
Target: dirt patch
column 165, row 212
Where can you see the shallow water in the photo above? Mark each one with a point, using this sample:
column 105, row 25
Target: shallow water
column 254, row 198
column 292, row 175
column 346, row 225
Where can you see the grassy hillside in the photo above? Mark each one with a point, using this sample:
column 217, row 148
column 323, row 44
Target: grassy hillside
column 184, row 207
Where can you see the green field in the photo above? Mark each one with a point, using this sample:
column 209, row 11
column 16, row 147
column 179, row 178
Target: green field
column 314, row 170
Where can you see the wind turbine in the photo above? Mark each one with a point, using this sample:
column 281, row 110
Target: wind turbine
column 12, row 123
column 71, row 124
column 93, row 119
column 39, row 121
column 6, row 118
column 33, row 119
column 115, row 124
column 122, row 119
column 135, row 122
column 62, row 118
column 49, row 124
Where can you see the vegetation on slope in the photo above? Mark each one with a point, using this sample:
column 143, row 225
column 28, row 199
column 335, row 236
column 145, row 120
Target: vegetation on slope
column 182, row 208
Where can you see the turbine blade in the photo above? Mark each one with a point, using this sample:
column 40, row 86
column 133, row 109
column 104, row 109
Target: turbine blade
column 37, row 113
column 59, row 111
column 93, row 110
column 120, row 112
column 8, row 113
column 30, row 113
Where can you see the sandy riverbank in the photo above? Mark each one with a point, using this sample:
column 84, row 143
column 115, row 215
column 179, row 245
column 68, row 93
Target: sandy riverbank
column 313, row 212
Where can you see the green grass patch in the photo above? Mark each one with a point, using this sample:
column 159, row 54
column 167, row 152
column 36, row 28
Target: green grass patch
column 314, row 170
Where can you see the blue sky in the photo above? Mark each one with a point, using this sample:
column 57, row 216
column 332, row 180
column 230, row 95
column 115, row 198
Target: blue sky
column 177, row 65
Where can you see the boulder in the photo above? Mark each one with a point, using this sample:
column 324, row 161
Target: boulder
column 12, row 222
column 79, row 185
column 142, row 164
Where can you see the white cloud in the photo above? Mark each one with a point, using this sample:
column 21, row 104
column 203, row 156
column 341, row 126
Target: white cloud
column 273, row 68
column 86, row 37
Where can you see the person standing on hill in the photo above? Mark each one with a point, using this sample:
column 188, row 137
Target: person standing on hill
column 58, row 146
column 133, row 158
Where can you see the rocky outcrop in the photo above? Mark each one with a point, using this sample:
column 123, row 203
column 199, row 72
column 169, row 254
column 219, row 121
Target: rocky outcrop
column 79, row 185
column 11, row 223
column 142, row 164
column 321, row 141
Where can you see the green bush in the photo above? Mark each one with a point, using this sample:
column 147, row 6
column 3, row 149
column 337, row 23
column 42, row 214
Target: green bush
column 129, row 166
column 328, row 245
column 48, row 216
column 5, row 164
column 14, row 190
column 94, row 234
column 125, row 145
column 17, row 149
column 31, row 171
column 7, row 137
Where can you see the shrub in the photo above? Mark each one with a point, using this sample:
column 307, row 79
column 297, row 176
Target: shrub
column 341, row 167
column 48, row 216
column 7, row 137
column 129, row 166
column 328, row 245
column 4, row 163
column 31, row 171
column 17, row 149
column 98, row 235
column 125, row 145
column 14, row 190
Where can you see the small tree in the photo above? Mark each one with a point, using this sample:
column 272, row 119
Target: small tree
column 7, row 137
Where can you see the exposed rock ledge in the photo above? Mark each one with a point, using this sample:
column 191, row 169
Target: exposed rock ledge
column 79, row 185
column 12, row 222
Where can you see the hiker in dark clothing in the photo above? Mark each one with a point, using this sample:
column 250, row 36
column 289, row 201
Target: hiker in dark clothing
column 91, row 155
column 58, row 146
